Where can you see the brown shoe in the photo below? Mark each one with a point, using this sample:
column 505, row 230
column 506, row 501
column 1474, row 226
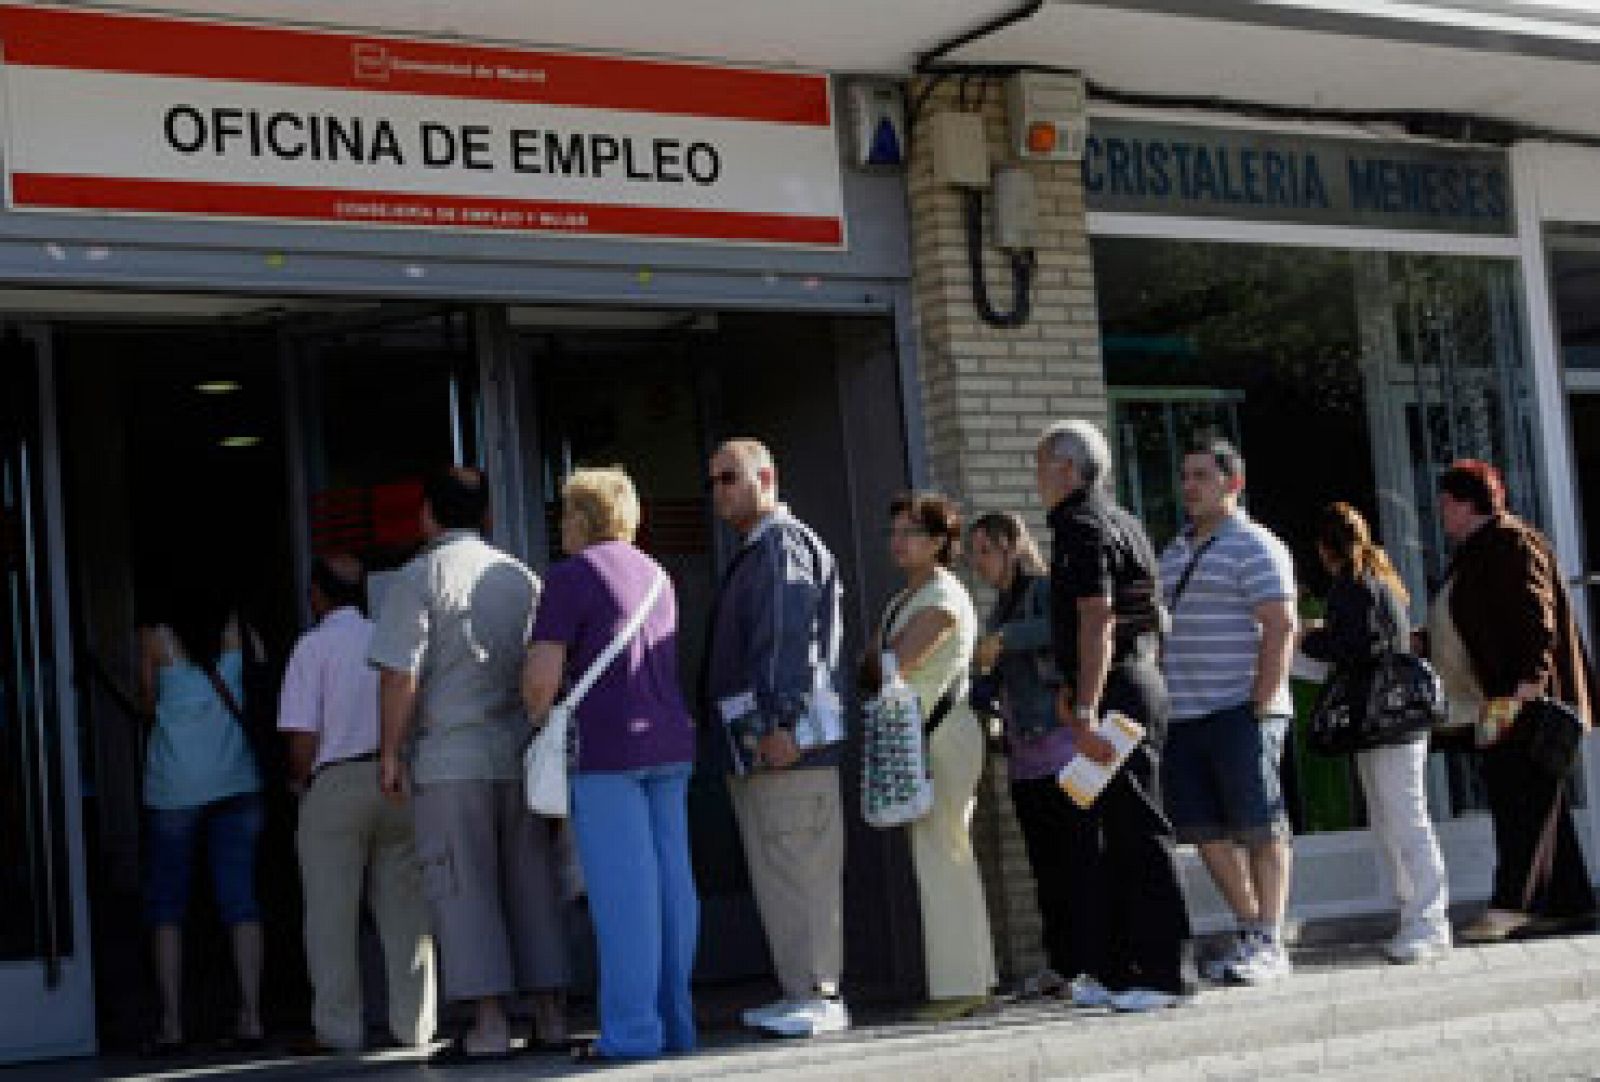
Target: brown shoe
column 1495, row 926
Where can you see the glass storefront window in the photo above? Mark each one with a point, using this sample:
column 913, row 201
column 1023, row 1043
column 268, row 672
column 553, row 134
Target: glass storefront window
column 1342, row 375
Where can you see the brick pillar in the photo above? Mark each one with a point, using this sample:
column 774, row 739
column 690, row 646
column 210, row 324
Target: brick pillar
column 986, row 393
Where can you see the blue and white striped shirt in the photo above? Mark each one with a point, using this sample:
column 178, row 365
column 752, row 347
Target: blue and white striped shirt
column 1211, row 651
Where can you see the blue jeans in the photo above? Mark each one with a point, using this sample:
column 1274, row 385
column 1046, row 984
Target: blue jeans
column 232, row 827
column 1221, row 777
column 632, row 828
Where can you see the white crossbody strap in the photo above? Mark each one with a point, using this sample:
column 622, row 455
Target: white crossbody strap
column 609, row 654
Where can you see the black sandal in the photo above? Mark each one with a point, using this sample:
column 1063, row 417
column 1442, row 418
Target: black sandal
column 163, row 1048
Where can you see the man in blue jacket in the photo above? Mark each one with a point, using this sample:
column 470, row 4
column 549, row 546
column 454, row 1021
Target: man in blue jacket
column 769, row 686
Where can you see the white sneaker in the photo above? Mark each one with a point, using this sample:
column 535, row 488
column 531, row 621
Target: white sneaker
column 1089, row 993
column 754, row 1017
column 1407, row 952
column 1139, row 1000
column 1266, row 961
column 809, row 1018
column 1216, row 970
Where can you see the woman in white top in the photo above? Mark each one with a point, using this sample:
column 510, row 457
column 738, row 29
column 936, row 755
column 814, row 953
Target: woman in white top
column 931, row 627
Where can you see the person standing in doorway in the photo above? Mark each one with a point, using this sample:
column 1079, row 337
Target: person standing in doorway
column 349, row 837
column 1228, row 583
column 1126, row 916
column 931, row 627
column 450, row 642
column 771, row 671
column 630, row 778
column 201, row 779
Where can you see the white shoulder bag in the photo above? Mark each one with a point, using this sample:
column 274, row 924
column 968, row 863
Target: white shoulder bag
column 544, row 764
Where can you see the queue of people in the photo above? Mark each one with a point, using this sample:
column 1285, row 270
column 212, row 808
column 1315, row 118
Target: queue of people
column 407, row 738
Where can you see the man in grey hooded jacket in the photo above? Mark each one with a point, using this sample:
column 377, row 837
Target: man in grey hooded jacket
column 770, row 687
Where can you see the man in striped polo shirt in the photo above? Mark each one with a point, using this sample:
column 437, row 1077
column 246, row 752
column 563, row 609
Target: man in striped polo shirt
column 1228, row 583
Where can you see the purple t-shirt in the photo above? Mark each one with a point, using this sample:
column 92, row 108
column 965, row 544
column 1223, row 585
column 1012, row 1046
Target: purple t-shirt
column 634, row 715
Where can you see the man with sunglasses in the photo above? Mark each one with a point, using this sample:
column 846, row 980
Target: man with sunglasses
column 769, row 687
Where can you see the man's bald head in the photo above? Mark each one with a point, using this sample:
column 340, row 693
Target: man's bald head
column 751, row 452
column 744, row 483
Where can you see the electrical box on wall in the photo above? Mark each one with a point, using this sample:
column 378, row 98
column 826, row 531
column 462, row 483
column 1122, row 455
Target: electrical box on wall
column 878, row 124
column 1046, row 111
column 1016, row 209
column 960, row 150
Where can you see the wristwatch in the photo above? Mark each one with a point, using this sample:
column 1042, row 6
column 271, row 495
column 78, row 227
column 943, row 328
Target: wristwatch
column 1085, row 714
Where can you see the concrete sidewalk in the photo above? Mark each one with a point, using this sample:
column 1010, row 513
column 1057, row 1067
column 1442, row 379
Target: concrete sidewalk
column 1516, row 1011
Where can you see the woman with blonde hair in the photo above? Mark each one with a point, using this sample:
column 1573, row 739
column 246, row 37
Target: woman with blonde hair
column 1366, row 616
column 630, row 774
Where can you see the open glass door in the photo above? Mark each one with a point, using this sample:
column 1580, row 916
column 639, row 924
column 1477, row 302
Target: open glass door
column 385, row 396
column 45, row 983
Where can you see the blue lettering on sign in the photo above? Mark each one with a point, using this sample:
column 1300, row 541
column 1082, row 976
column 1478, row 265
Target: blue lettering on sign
column 1316, row 191
column 1094, row 181
column 1126, row 169
column 1160, row 182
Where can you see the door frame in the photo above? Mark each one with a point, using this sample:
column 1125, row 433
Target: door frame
column 45, row 1020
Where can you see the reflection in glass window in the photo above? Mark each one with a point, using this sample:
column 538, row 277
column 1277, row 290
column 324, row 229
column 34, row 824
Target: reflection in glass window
column 1341, row 375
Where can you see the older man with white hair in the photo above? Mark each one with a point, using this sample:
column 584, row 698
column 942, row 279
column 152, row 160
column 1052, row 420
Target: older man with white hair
column 1128, row 925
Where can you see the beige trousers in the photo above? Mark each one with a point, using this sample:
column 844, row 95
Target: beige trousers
column 793, row 830
column 956, row 944
column 350, row 839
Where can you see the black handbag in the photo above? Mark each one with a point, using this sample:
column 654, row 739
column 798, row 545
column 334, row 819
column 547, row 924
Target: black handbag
column 1392, row 699
column 1551, row 733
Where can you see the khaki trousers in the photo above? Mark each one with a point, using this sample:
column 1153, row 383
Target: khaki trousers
column 350, row 838
column 793, row 830
column 956, row 944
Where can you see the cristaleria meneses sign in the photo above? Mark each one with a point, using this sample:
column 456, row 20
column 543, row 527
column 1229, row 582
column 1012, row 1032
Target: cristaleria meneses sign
column 115, row 112
column 1261, row 175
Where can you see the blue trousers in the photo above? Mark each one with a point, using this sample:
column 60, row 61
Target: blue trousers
column 632, row 829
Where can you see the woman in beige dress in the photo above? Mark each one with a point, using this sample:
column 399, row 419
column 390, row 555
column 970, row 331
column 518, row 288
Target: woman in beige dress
column 931, row 627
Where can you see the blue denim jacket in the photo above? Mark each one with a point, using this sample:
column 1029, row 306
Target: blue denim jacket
column 776, row 631
column 1026, row 669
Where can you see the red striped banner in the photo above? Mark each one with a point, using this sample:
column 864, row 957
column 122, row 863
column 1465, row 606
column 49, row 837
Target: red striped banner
column 137, row 113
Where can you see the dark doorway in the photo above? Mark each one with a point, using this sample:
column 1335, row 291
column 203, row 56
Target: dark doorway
column 823, row 392
column 174, row 459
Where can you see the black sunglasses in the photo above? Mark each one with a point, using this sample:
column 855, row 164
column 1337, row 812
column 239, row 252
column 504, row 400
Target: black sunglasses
column 726, row 477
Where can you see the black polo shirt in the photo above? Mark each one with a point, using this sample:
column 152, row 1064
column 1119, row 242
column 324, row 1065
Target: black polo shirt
column 1100, row 550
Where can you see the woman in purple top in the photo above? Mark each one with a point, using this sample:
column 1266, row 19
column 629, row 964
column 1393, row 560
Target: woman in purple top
column 1018, row 682
column 630, row 774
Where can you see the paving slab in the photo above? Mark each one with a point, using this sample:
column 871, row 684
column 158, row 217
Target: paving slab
column 1482, row 1012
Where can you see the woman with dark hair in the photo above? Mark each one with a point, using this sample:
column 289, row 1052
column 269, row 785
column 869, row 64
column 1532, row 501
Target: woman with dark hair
column 1365, row 616
column 200, row 779
column 931, row 628
column 1502, row 632
column 1019, row 682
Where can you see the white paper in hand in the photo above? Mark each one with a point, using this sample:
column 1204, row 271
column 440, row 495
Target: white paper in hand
column 1083, row 779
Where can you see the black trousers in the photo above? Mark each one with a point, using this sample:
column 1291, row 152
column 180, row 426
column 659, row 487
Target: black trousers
column 1107, row 879
column 1521, row 795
